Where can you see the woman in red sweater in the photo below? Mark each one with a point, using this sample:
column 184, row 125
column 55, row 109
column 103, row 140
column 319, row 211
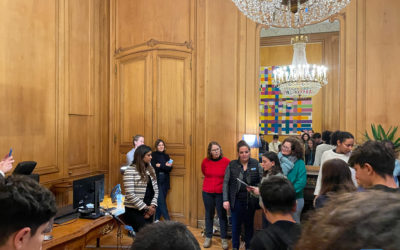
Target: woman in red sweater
column 213, row 168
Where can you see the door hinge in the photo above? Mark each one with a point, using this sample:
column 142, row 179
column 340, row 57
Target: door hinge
column 115, row 69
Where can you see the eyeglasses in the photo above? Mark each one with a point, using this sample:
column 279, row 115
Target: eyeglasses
column 215, row 150
column 285, row 147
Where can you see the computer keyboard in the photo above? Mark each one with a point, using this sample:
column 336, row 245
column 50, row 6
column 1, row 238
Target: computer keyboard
column 66, row 218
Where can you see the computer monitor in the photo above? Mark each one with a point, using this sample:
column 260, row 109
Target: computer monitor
column 86, row 191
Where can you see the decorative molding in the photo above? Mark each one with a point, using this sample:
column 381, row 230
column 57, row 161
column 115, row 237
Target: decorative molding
column 47, row 170
column 285, row 40
column 152, row 43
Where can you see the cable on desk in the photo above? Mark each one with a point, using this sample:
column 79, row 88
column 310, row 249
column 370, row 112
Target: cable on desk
column 66, row 223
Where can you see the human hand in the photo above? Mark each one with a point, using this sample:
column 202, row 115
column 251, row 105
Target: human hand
column 226, row 205
column 153, row 209
column 6, row 164
column 168, row 164
column 158, row 165
column 254, row 190
column 315, row 199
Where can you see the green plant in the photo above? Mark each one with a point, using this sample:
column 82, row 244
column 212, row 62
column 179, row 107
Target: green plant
column 379, row 134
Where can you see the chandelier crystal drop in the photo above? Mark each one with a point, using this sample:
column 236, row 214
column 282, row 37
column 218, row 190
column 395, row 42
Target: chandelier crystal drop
column 299, row 79
column 290, row 13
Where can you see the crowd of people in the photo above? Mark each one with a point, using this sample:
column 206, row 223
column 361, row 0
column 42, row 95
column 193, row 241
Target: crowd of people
column 275, row 183
column 357, row 200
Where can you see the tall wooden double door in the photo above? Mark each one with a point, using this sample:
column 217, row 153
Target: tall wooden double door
column 151, row 94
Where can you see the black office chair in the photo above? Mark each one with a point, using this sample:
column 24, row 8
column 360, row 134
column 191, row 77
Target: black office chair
column 26, row 168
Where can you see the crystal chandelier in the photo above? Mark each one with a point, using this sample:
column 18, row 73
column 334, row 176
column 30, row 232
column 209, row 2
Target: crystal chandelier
column 299, row 79
column 289, row 13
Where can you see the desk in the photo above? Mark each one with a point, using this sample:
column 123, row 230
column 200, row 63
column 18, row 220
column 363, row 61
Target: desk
column 76, row 234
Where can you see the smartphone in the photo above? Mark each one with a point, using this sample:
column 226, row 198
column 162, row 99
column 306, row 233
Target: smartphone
column 10, row 153
column 244, row 183
column 170, row 161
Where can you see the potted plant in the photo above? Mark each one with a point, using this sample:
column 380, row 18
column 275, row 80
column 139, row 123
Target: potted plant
column 379, row 134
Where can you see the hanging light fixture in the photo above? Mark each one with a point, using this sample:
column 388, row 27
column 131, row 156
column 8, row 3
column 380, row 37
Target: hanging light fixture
column 299, row 79
column 289, row 13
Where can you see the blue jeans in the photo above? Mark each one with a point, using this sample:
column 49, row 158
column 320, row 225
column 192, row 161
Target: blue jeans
column 299, row 209
column 213, row 201
column 162, row 209
column 242, row 213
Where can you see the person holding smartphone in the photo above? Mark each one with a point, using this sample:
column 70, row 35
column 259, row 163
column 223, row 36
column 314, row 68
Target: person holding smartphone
column 162, row 165
column 235, row 194
column 6, row 164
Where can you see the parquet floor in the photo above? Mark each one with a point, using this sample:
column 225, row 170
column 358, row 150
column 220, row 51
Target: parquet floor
column 109, row 241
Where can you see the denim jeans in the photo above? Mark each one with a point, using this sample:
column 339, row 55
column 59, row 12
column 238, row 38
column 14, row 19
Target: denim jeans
column 213, row 201
column 162, row 209
column 299, row 209
column 242, row 213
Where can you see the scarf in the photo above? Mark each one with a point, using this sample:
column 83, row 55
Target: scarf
column 287, row 162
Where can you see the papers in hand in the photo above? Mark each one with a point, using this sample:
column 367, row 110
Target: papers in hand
column 244, row 183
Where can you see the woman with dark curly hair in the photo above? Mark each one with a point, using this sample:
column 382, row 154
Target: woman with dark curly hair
column 344, row 142
column 213, row 168
column 294, row 168
column 271, row 166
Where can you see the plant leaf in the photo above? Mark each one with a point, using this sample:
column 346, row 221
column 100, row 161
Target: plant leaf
column 382, row 133
column 374, row 132
column 366, row 136
column 392, row 134
column 397, row 141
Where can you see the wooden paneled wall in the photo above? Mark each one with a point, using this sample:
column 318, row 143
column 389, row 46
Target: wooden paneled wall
column 152, row 87
column 368, row 65
column 227, row 81
column 188, row 78
column 54, row 87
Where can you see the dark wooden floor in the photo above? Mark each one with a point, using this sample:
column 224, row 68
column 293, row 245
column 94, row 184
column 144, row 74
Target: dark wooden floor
column 109, row 241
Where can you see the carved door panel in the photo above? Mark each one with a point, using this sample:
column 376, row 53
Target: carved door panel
column 172, row 123
column 152, row 96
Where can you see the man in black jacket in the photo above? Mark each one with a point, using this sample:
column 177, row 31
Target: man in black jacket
column 278, row 200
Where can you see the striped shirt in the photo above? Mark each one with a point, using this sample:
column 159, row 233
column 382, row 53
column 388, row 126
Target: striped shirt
column 135, row 188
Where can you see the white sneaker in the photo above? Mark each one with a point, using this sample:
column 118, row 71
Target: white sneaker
column 156, row 221
column 225, row 244
column 207, row 243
